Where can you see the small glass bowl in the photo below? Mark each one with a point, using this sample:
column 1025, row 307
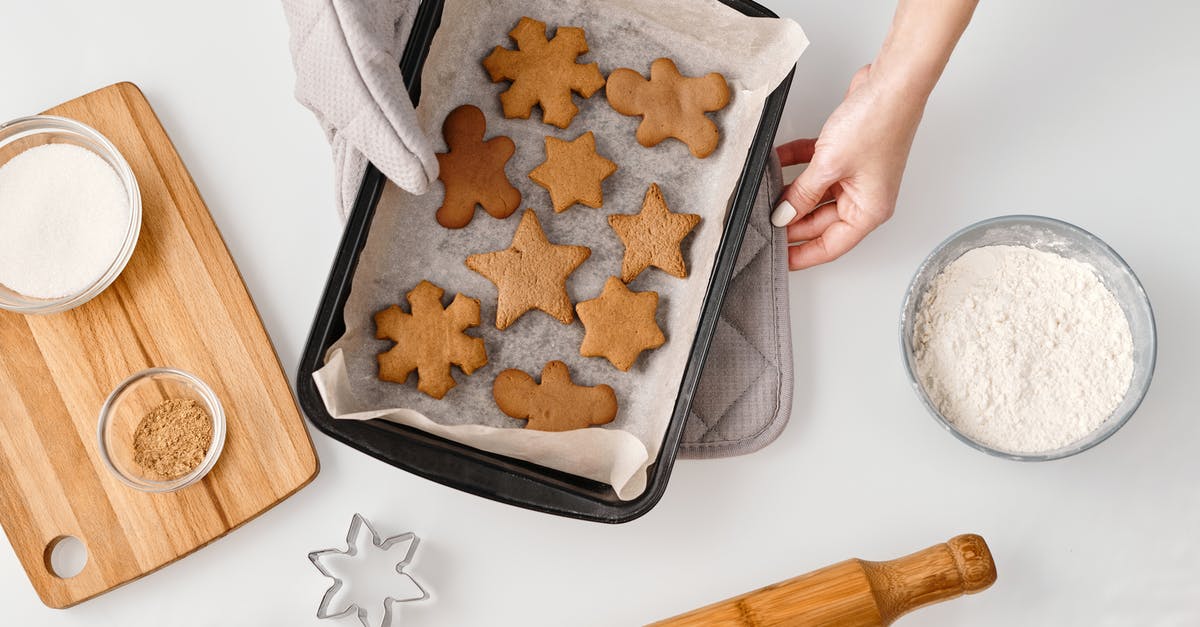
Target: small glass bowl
column 132, row 399
column 1072, row 242
column 22, row 134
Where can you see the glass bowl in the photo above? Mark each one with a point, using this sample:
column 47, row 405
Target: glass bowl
column 132, row 399
column 22, row 134
column 1072, row 242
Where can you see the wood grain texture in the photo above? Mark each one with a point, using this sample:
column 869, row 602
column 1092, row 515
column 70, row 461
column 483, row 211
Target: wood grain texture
column 857, row 593
column 180, row 302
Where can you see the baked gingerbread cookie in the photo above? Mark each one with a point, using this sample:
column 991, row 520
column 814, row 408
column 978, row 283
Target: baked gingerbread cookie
column 473, row 170
column 530, row 274
column 671, row 104
column 619, row 324
column 543, row 72
column 556, row 403
column 430, row 339
column 652, row 236
column 573, row 172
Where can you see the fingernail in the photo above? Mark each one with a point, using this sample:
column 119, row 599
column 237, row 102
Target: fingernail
column 784, row 212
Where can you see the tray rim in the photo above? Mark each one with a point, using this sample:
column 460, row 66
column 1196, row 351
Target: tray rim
column 575, row 497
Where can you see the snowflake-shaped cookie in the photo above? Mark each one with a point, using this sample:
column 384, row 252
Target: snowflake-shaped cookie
column 543, row 72
column 430, row 339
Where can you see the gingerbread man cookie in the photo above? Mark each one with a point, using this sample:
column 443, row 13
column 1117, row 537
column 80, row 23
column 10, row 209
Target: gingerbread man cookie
column 671, row 105
column 530, row 274
column 619, row 324
column 573, row 172
column 473, row 170
column 543, row 72
column 430, row 339
column 556, row 403
column 652, row 237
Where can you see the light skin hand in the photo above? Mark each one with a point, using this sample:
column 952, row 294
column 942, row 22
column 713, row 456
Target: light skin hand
column 856, row 164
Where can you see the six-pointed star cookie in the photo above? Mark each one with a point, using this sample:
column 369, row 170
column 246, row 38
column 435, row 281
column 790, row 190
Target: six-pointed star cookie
column 619, row 324
column 671, row 105
column 530, row 274
column 572, row 172
column 652, row 236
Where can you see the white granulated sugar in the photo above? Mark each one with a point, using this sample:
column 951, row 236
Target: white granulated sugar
column 63, row 218
column 1022, row 350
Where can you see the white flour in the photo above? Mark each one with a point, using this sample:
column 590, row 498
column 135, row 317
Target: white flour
column 63, row 218
column 1022, row 350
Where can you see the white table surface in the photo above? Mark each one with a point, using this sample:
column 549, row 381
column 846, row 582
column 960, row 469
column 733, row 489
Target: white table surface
column 1079, row 110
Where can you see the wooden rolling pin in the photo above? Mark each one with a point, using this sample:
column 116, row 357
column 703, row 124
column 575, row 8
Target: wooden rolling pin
column 858, row 593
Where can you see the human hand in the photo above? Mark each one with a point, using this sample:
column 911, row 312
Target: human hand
column 854, row 171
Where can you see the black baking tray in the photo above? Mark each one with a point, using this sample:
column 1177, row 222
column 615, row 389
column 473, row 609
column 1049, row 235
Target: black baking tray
column 485, row 474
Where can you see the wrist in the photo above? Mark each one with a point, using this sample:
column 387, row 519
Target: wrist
column 906, row 75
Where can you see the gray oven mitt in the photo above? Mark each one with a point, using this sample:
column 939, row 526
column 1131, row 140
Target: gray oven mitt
column 347, row 57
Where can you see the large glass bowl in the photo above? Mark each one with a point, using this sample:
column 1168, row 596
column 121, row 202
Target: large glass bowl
column 22, row 134
column 1072, row 242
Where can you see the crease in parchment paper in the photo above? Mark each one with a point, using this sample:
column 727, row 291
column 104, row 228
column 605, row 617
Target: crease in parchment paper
column 406, row 244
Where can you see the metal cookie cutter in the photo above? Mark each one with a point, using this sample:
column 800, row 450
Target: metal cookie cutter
column 356, row 525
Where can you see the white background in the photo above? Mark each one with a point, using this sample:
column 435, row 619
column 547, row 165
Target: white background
column 1084, row 111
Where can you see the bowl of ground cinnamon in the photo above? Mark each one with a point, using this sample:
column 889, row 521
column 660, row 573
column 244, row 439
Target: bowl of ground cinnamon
column 161, row 430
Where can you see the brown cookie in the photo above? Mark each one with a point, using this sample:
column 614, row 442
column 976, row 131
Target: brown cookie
column 671, row 105
column 530, row 274
column 619, row 324
column 473, row 170
column 556, row 403
column 652, row 236
column 572, row 172
column 430, row 339
column 543, row 72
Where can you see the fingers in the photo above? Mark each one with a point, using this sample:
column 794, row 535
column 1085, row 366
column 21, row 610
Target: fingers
column 796, row 152
column 803, row 195
column 837, row 239
column 812, row 225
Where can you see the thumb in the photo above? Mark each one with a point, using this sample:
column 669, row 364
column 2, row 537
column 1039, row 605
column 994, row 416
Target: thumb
column 803, row 195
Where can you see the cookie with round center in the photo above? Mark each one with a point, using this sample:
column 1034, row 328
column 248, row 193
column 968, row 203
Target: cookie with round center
column 620, row 324
column 573, row 172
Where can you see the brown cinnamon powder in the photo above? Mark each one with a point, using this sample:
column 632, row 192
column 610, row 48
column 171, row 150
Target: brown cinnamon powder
column 172, row 438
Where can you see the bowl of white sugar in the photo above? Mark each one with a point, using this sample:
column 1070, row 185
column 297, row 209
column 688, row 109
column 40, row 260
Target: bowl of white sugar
column 70, row 214
column 1028, row 338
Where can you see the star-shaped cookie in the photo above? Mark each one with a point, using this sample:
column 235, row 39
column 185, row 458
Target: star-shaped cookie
column 671, row 104
column 619, row 324
column 572, row 172
column 652, row 236
column 530, row 274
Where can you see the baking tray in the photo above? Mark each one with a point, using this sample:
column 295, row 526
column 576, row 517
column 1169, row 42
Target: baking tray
column 485, row 474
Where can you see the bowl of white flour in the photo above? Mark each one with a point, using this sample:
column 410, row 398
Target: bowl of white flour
column 70, row 214
column 1028, row 338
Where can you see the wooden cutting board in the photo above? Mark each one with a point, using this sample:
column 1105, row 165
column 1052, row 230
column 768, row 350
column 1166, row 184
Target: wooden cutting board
column 180, row 302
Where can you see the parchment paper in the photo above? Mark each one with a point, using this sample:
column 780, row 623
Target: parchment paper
column 407, row 245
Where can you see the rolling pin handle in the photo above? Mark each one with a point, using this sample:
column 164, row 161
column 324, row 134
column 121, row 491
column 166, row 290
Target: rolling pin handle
column 963, row 565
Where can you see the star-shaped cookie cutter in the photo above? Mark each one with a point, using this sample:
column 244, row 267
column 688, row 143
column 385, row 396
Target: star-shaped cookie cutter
column 356, row 525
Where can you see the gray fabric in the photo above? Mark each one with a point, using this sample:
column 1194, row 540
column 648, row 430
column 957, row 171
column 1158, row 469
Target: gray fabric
column 346, row 54
column 744, row 397
column 347, row 58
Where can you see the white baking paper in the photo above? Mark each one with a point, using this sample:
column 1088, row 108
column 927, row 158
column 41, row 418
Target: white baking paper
column 407, row 245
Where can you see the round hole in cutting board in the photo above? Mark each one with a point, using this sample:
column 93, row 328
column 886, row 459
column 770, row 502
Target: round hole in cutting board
column 66, row 556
